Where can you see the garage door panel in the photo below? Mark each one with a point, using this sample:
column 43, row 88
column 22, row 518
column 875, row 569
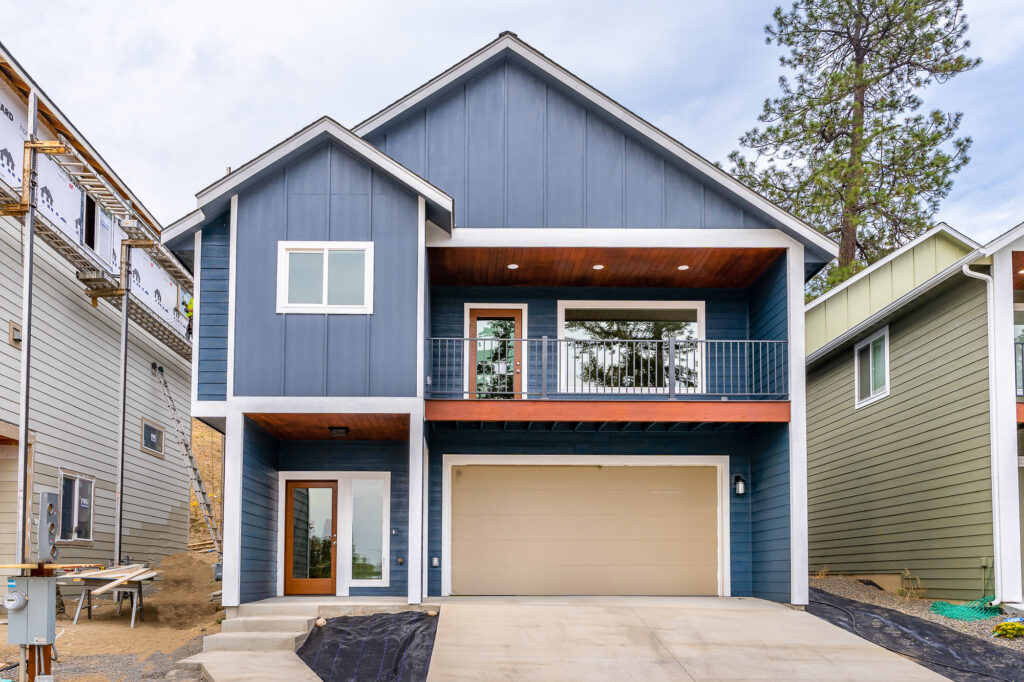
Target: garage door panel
column 672, row 527
column 596, row 580
column 546, row 529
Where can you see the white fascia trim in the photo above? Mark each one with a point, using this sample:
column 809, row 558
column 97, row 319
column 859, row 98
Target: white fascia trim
column 467, row 334
column 343, row 514
column 721, row 462
column 588, row 237
column 709, row 170
column 319, row 404
column 209, row 408
column 1003, row 404
column 1003, row 240
column 233, row 440
column 182, row 226
column 857, row 402
column 197, row 274
column 798, row 532
column 941, row 227
column 286, row 308
column 421, row 295
column 353, row 143
column 232, row 298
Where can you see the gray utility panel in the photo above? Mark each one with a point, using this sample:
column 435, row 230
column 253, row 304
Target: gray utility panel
column 35, row 621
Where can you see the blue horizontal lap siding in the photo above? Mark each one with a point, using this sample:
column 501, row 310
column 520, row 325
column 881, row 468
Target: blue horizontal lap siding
column 213, row 311
column 390, row 456
column 326, row 195
column 514, row 149
column 258, row 551
column 747, row 530
column 770, row 516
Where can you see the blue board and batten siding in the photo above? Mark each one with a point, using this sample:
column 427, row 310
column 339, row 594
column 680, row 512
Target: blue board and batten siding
column 515, row 150
column 759, row 520
column 326, row 195
column 215, row 258
column 258, row 557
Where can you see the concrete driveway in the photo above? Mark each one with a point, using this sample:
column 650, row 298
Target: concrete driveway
column 648, row 639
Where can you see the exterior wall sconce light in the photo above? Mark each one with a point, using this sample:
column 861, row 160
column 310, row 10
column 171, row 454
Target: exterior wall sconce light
column 739, row 484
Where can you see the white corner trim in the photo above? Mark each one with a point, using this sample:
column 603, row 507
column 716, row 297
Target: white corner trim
column 611, row 237
column 468, row 334
column 707, row 169
column 425, row 532
column 343, row 516
column 284, row 248
column 720, row 462
column 868, row 340
column 421, row 295
column 414, row 560
column 233, row 440
column 232, row 298
column 197, row 279
column 798, row 532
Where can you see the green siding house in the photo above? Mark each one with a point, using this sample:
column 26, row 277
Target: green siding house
column 912, row 420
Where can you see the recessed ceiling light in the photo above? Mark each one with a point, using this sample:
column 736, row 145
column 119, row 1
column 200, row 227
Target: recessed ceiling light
column 683, row 267
column 338, row 431
column 599, row 267
column 513, row 266
column 1020, row 272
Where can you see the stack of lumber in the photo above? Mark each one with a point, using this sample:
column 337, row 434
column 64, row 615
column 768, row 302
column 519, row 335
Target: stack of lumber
column 118, row 575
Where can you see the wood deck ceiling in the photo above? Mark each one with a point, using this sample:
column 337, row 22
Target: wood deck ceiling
column 289, row 426
column 623, row 267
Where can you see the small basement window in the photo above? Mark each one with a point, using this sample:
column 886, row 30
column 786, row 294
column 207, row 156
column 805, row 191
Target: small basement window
column 152, row 438
column 76, row 495
column 871, row 368
column 325, row 277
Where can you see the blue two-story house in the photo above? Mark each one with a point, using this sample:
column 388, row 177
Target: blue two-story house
column 504, row 337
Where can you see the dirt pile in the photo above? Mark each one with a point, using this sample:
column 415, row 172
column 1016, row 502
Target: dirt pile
column 183, row 593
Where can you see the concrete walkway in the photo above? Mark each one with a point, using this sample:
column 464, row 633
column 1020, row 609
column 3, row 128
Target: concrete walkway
column 649, row 639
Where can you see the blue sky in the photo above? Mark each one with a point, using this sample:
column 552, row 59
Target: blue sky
column 171, row 93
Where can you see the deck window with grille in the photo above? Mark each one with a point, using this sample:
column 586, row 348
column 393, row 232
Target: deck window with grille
column 871, row 360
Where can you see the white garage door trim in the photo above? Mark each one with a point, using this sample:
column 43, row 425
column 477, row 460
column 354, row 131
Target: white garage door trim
column 720, row 462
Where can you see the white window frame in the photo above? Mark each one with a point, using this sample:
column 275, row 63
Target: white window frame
column 285, row 248
column 344, row 516
column 858, row 403
column 699, row 306
column 75, row 508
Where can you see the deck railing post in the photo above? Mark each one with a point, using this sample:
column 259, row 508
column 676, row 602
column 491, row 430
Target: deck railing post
column 671, row 369
column 543, row 368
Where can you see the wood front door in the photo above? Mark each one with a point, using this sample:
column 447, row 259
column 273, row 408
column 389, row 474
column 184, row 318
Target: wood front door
column 496, row 357
column 311, row 537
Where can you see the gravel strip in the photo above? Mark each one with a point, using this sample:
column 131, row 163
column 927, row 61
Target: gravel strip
column 856, row 590
column 128, row 667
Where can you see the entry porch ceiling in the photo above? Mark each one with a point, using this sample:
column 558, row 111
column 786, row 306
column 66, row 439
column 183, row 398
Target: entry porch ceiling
column 1018, row 266
column 623, row 267
column 305, row 426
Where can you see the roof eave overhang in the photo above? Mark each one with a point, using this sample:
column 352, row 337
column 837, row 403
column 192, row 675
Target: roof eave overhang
column 823, row 247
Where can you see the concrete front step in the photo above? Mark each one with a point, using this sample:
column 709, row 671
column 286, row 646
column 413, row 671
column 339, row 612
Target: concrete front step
column 247, row 666
column 254, row 641
column 268, row 624
column 270, row 609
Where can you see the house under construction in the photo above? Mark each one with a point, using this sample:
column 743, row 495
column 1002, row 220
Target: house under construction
column 97, row 418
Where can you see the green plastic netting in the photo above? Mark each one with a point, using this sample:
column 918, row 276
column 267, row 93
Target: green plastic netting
column 972, row 610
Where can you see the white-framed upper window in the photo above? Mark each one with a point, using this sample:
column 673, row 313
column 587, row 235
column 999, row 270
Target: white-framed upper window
column 871, row 368
column 325, row 278
column 76, row 503
column 623, row 346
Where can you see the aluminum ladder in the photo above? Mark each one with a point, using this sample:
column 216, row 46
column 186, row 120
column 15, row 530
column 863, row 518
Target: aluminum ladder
column 190, row 462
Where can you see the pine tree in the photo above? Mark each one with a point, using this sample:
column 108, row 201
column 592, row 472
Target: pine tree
column 845, row 146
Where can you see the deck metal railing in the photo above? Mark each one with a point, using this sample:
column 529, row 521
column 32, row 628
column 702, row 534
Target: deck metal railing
column 548, row 368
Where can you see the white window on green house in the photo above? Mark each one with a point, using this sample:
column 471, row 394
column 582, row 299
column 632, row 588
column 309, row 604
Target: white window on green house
column 76, row 503
column 325, row 277
column 871, row 365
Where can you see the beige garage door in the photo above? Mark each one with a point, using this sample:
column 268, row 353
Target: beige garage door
column 602, row 530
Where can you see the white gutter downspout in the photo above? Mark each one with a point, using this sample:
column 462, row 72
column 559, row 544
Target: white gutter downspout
column 993, row 430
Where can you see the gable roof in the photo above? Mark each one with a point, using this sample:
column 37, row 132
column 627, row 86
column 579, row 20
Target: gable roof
column 214, row 198
column 876, row 293
column 509, row 45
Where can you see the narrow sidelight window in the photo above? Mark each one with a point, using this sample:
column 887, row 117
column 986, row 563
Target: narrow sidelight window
column 871, row 360
column 325, row 277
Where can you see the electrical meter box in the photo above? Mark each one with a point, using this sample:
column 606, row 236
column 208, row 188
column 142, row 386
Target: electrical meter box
column 31, row 614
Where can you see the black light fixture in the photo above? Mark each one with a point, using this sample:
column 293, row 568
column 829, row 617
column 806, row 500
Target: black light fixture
column 338, row 431
column 739, row 485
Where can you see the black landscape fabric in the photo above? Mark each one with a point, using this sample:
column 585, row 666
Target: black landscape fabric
column 383, row 647
column 952, row 654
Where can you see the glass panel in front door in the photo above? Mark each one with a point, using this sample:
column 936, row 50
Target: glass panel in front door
column 312, row 530
column 496, row 362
